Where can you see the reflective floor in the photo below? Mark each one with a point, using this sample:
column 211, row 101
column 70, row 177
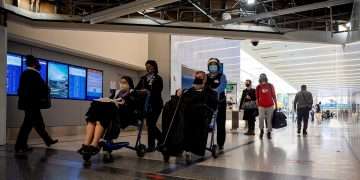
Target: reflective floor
column 323, row 154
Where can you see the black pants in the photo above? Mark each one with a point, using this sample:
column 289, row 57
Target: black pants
column 220, row 122
column 153, row 131
column 249, row 115
column 302, row 115
column 33, row 119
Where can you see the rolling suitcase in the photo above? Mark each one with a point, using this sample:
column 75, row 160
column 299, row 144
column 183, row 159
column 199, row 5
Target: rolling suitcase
column 279, row 120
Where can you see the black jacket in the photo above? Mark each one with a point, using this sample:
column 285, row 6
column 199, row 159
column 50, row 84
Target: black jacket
column 197, row 108
column 155, row 86
column 33, row 91
column 251, row 93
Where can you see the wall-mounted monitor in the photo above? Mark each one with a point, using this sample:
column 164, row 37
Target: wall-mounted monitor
column 94, row 84
column 77, row 83
column 43, row 69
column 58, row 79
column 13, row 73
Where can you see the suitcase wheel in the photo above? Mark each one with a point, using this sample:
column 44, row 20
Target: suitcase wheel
column 214, row 151
column 141, row 150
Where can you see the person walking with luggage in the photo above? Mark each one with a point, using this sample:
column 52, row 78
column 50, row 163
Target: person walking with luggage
column 266, row 99
column 34, row 95
column 302, row 104
column 153, row 83
column 217, row 80
column 248, row 104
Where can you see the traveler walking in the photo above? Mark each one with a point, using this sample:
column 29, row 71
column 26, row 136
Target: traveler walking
column 266, row 99
column 248, row 104
column 34, row 95
column 302, row 104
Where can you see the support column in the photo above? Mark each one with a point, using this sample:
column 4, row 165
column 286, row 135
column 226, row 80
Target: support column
column 3, row 51
column 159, row 50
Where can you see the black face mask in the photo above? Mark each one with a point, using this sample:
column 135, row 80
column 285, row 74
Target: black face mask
column 247, row 85
column 198, row 81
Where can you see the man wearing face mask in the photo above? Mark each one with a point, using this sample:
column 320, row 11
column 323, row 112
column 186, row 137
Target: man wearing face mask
column 34, row 95
column 154, row 84
column 266, row 99
column 216, row 80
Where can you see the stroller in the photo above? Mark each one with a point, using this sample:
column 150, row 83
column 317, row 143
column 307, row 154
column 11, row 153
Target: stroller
column 108, row 145
column 173, row 129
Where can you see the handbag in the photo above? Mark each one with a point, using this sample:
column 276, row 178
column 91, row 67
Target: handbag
column 249, row 105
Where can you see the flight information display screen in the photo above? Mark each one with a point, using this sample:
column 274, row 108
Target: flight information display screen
column 94, row 84
column 13, row 73
column 43, row 69
column 77, row 82
column 58, row 79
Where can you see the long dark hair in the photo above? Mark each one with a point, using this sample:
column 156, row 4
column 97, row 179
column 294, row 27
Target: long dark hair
column 129, row 81
column 154, row 64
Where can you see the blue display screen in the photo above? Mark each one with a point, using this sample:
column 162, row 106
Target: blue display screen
column 43, row 65
column 94, row 84
column 58, row 79
column 77, row 82
column 186, row 82
column 13, row 73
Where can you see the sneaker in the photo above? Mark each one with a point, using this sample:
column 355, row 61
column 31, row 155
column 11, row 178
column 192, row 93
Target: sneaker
column 92, row 150
column 261, row 134
column 52, row 142
column 269, row 135
column 304, row 133
column 299, row 131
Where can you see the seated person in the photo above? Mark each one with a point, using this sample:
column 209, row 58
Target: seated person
column 106, row 112
column 199, row 104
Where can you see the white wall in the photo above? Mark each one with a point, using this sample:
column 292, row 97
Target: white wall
column 129, row 49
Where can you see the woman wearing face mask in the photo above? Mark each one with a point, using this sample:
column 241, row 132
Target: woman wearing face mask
column 105, row 111
column 154, row 84
column 266, row 99
column 198, row 105
column 248, row 104
column 216, row 80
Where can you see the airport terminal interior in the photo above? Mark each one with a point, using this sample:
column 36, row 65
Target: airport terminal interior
column 82, row 49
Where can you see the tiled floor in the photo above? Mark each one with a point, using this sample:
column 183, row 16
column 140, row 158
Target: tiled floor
column 323, row 154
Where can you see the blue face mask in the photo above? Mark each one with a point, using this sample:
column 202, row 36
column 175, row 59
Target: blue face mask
column 213, row 68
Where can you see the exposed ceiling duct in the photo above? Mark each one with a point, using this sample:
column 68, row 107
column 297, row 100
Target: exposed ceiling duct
column 281, row 12
column 126, row 9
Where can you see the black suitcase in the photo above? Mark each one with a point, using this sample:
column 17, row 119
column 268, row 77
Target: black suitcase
column 172, row 129
column 279, row 120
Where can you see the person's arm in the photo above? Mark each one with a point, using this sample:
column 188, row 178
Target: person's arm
column 295, row 101
column 311, row 99
column 157, row 85
column 274, row 96
column 242, row 99
column 223, row 83
column 257, row 95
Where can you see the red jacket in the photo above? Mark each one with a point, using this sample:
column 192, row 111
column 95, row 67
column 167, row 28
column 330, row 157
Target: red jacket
column 265, row 95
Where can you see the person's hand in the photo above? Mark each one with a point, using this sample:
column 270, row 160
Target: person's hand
column 248, row 97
